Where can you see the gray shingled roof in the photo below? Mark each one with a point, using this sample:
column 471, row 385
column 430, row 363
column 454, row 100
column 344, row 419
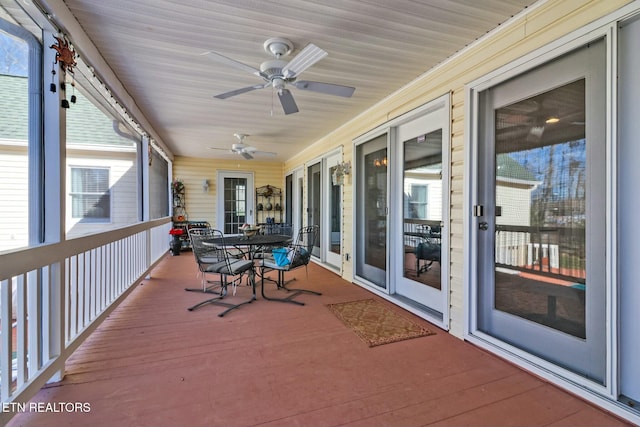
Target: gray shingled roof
column 507, row 167
column 86, row 124
column 13, row 108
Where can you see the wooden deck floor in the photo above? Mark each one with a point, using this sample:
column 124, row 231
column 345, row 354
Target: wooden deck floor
column 153, row 363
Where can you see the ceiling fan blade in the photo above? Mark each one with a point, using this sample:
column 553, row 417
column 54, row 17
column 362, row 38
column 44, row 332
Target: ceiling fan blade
column 535, row 134
column 232, row 62
column 238, row 91
column 303, row 60
column 264, row 153
column 246, row 155
column 328, row 88
column 221, row 149
column 254, row 150
column 288, row 103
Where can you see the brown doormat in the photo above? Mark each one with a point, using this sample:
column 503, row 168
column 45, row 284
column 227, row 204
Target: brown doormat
column 375, row 324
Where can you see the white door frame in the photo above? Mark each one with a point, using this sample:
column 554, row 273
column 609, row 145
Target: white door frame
column 220, row 176
column 297, row 200
column 358, row 240
column 325, row 256
column 551, row 372
column 335, row 260
column 394, row 218
column 433, row 115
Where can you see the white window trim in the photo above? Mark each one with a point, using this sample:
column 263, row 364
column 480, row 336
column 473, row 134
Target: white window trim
column 84, row 219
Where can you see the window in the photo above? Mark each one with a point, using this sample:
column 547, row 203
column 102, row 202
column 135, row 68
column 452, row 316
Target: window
column 90, row 194
column 103, row 194
column 158, row 185
column 418, row 201
column 15, row 113
column 240, row 198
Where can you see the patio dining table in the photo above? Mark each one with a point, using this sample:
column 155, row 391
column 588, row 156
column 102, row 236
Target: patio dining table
column 254, row 243
column 250, row 245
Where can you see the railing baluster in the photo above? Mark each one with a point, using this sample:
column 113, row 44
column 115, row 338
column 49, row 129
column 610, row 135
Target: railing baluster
column 93, row 278
column 5, row 339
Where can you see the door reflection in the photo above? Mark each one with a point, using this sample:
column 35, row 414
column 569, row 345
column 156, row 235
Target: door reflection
column 422, row 217
column 376, row 208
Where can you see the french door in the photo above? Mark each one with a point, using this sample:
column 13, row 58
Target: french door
column 539, row 213
column 324, row 209
column 294, row 186
column 314, row 197
column 422, row 244
column 371, row 208
column 332, row 220
column 235, row 197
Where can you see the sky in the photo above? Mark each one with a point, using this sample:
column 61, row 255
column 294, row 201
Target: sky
column 13, row 56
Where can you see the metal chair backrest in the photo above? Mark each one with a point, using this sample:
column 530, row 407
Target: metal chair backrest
column 307, row 237
column 222, row 250
column 229, row 264
column 204, row 252
column 201, row 231
column 285, row 229
column 303, row 246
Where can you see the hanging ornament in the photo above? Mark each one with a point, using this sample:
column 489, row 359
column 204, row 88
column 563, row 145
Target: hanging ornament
column 65, row 55
column 64, row 103
column 73, row 90
column 52, row 87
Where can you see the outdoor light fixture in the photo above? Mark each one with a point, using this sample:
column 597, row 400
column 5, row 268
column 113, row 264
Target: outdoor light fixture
column 205, row 185
column 341, row 169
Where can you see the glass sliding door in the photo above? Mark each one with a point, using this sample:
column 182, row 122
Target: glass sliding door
column 314, row 189
column 540, row 217
column 372, row 210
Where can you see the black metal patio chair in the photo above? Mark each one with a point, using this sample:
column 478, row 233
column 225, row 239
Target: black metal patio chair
column 290, row 258
column 231, row 269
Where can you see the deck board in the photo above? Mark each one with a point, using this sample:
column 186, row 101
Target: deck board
column 153, row 363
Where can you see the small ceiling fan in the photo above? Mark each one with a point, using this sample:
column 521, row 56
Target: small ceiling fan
column 244, row 150
column 278, row 73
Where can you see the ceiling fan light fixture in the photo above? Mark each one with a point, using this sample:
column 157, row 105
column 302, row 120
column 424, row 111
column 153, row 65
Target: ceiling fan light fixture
column 552, row 119
column 272, row 67
column 278, row 84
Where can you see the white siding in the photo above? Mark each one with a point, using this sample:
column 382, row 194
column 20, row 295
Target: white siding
column 123, row 184
column 201, row 205
column 14, row 216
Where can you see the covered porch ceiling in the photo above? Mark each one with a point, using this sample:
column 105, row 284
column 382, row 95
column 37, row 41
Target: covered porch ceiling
column 156, row 49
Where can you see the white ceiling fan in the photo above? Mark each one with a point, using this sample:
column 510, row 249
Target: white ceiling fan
column 278, row 73
column 244, row 150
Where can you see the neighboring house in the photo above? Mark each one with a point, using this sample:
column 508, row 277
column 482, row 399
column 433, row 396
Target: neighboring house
column 423, row 194
column 514, row 187
column 514, row 196
column 101, row 171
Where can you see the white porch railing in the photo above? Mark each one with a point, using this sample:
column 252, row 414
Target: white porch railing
column 53, row 296
column 525, row 249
